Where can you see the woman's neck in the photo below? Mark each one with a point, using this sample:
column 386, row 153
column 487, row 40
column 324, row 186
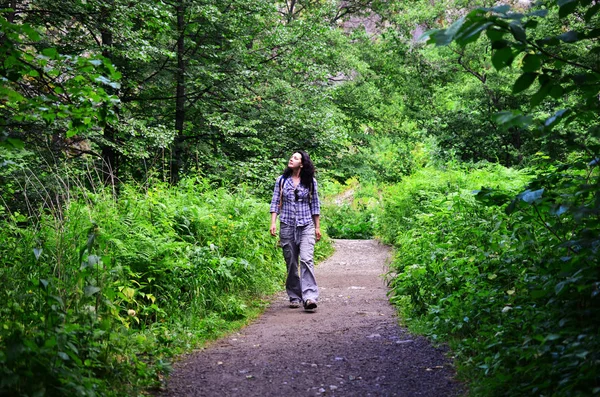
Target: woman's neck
column 296, row 173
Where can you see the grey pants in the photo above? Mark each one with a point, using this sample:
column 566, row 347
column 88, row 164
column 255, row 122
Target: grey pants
column 299, row 242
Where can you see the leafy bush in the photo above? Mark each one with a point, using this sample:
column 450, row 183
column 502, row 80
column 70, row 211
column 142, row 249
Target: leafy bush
column 512, row 285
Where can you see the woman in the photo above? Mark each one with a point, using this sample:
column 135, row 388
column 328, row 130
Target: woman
column 296, row 201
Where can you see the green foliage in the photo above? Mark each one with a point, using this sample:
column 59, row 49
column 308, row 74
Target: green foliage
column 44, row 89
column 424, row 189
column 512, row 285
column 548, row 243
column 98, row 294
column 556, row 67
column 349, row 210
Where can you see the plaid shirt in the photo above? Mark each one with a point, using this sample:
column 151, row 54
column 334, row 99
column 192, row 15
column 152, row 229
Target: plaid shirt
column 292, row 212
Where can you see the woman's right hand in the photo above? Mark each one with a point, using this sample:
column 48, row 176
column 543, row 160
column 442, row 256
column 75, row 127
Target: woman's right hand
column 273, row 229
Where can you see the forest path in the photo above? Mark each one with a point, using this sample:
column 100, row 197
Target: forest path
column 350, row 346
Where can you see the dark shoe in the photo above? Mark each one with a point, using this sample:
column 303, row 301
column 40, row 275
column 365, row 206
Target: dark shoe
column 294, row 304
column 310, row 304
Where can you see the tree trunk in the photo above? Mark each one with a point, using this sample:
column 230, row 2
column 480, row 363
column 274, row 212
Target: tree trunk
column 110, row 157
column 177, row 151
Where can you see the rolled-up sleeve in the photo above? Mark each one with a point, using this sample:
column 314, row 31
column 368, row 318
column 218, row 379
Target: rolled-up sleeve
column 276, row 197
column 315, row 205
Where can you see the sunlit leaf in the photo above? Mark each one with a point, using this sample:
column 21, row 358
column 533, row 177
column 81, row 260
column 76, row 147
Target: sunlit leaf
column 50, row 52
column 32, row 34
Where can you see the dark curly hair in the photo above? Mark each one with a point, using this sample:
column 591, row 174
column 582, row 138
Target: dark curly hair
column 307, row 172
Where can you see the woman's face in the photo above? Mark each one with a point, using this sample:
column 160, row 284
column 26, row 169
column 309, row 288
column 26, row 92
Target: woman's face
column 295, row 161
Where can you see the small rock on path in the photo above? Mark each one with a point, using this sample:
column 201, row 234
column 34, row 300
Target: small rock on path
column 350, row 346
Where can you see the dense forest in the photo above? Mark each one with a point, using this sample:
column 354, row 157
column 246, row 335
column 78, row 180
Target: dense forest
column 140, row 141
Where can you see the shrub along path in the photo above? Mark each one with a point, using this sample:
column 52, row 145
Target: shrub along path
column 351, row 345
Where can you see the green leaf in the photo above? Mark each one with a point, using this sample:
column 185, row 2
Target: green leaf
column 91, row 290
column 531, row 62
column 50, row 343
column 552, row 120
column 560, row 210
column 561, row 3
column 544, row 90
column 556, row 91
column 472, row 33
column 494, row 34
column 524, row 82
column 44, row 283
column 511, row 207
column 589, row 14
column 531, row 196
column 594, row 131
column 502, row 58
column 518, row 32
column 37, row 252
column 50, row 52
column 498, row 44
column 446, row 36
column 538, row 13
column 593, row 34
column 15, row 143
column 512, row 119
column 552, row 337
column 569, row 37
column 548, row 41
column 93, row 260
column 566, row 8
column 31, row 33
column 530, row 24
column 502, row 9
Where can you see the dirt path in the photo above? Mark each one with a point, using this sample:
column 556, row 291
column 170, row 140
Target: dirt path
column 351, row 346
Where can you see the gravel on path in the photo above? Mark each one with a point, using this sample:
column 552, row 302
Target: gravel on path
column 351, row 345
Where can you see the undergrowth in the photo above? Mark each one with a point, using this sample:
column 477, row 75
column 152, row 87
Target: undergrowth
column 349, row 210
column 99, row 294
column 509, row 279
